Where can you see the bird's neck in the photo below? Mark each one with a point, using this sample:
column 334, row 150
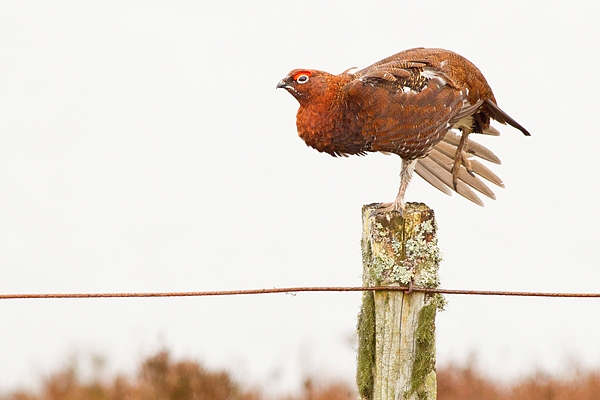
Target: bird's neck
column 320, row 117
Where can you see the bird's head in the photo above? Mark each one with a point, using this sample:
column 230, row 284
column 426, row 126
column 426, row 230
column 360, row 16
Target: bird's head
column 306, row 84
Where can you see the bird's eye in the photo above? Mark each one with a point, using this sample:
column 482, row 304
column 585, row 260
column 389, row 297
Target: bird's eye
column 302, row 78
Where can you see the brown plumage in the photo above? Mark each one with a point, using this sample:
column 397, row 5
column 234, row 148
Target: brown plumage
column 406, row 104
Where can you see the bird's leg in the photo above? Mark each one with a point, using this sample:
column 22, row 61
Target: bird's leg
column 406, row 172
column 461, row 157
column 398, row 204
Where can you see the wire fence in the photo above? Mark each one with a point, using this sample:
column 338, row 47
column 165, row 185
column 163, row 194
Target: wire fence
column 292, row 290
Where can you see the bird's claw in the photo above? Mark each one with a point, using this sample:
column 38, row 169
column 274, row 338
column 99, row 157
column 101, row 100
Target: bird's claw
column 461, row 159
column 385, row 208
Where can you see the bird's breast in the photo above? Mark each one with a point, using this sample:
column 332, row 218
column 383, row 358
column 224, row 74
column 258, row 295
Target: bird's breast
column 330, row 130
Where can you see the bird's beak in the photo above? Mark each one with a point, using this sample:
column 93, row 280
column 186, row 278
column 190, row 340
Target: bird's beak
column 282, row 84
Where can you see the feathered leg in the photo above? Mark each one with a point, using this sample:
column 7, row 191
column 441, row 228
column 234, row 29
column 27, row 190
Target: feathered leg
column 461, row 157
column 408, row 166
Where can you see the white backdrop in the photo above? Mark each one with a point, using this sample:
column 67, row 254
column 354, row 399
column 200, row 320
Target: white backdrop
column 143, row 147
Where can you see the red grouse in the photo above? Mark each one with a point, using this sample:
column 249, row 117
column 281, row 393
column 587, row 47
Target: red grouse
column 407, row 104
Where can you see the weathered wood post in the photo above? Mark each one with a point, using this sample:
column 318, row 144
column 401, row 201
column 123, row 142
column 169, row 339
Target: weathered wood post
column 396, row 330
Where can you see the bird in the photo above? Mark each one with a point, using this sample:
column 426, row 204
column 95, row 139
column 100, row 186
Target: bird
column 420, row 104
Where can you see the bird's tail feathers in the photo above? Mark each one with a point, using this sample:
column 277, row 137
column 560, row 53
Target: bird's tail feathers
column 503, row 117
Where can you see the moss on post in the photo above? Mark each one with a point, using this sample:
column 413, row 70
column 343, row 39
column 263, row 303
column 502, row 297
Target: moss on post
column 396, row 331
column 366, row 346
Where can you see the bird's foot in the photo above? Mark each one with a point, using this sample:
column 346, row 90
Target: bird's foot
column 385, row 208
column 461, row 159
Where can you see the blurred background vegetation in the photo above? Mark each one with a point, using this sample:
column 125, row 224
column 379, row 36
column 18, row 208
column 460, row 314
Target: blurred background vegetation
column 162, row 377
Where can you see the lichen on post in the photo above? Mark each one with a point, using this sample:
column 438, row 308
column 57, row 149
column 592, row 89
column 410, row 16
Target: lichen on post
column 396, row 330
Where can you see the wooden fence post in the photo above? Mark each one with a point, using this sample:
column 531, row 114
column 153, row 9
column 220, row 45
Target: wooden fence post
column 396, row 330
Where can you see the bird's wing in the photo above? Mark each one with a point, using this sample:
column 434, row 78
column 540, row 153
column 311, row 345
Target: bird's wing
column 443, row 88
column 400, row 112
column 473, row 148
column 437, row 169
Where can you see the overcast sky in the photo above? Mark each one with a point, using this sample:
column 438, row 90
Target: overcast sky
column 143, row 147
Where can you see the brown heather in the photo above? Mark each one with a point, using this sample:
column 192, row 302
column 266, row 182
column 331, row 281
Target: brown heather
column 160, row 377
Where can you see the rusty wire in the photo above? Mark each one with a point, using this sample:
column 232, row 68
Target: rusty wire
column 291, row 290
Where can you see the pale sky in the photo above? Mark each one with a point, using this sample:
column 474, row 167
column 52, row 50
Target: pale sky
column 143, row 147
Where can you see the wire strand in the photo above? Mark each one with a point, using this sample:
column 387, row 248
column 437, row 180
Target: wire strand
column 292, row 290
